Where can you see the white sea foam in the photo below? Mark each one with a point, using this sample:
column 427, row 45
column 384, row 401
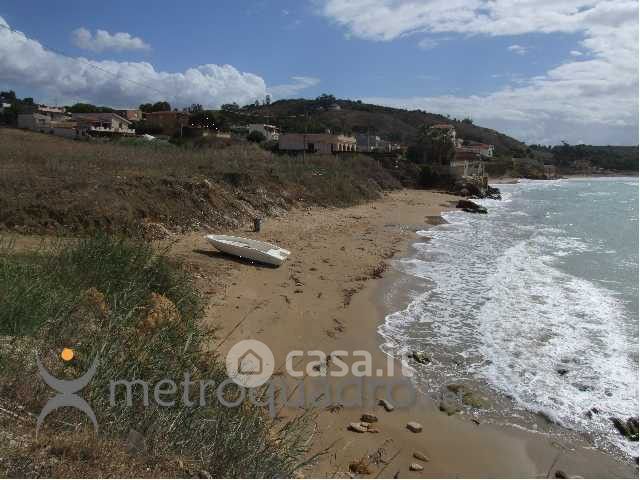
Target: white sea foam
column 500, row 304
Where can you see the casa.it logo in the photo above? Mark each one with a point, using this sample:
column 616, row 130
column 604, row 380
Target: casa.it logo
column 250, row 363
column 67, row 390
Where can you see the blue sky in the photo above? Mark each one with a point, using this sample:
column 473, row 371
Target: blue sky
column 527, row 67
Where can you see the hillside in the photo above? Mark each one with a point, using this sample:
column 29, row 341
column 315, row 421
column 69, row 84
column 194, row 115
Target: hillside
column 55, row 185
column 393, row 124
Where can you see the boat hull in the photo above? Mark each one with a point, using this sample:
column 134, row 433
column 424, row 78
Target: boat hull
column 250, row 249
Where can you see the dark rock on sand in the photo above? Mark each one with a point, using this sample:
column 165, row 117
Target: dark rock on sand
column 562, row 371
column 471, row 207
column 369, row 418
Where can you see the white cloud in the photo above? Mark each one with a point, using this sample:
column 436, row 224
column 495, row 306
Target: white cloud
column 24, row 63
column 576, row 53
column 103, row 40
column 298, row 84
column 597, row 95
column 427, row 43
column 517, row 49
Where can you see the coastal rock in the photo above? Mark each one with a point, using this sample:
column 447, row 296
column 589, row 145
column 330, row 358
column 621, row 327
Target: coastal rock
column 449, row 407
column 416, row 467
column 357, row 427
column 420, row 357
column 388, row 406
column 420, row 456
column 562, row 371
column 457, row 388
column 415, row 427
column 561, row 474
column 474, row 400
column 471, row 207
column 493, row 193
column 369, row 418
column 628, row 429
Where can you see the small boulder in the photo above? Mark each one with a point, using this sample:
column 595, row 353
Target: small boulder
column 420, row 456
column 369, row 418
column 414, row 427
column 357, row 427
column 474, row 400
column 562, row 371
column 420, row 357
column 388, row 406
column 561, row 474
column 416, row 467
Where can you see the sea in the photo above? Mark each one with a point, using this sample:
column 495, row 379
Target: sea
column 535, row 304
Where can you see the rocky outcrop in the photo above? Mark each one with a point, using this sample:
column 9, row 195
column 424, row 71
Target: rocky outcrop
column 471, row 207
column 628, row 429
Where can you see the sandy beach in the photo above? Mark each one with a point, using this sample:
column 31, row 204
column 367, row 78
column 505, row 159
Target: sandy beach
column 329, row 296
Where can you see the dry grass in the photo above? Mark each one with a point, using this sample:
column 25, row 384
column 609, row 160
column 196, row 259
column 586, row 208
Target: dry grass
column 51, row 184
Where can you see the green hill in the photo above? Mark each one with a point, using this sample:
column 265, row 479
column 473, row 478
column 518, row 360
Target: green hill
column 394, row 124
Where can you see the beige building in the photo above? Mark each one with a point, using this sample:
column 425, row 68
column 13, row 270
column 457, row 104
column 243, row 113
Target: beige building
column 35, row 121
column 104, row 123
column 316, row 143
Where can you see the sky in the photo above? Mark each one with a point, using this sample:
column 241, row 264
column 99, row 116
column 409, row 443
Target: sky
column 543, row 71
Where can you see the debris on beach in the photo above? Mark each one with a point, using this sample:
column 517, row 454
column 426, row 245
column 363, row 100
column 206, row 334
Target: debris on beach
column 416, row 467
column 420, row 456
column 387, row 405
column 357, row 427
column 414, row 427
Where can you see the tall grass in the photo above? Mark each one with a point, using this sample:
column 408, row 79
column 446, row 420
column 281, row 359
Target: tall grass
column 123, row 303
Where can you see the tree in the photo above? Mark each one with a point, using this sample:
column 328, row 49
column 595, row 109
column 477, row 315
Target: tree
column 88, row 108
column 256, row 136
column 230, row 107
column 433, row 146
column 267, row 99
column 163, row 106
column 9, row 95
column 195, row 108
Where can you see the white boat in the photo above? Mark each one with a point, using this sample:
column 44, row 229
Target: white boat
column 247, row 248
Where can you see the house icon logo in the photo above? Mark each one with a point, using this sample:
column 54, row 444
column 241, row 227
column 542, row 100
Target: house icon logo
column 250, row 363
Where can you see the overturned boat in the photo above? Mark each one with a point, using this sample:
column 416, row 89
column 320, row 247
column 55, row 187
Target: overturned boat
column 250, row 249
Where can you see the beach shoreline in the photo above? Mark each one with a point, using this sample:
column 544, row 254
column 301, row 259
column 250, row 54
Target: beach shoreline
column 329, row 297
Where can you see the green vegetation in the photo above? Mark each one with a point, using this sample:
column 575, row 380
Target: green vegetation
column 568, row 157
column 138, row 313
column 88, row 108
column 433, row 146
column 155, row 107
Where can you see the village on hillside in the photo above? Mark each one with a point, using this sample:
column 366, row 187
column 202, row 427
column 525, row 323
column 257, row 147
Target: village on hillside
column 446, row 145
